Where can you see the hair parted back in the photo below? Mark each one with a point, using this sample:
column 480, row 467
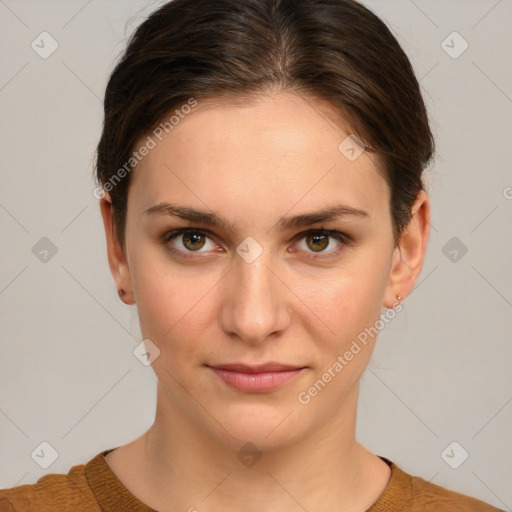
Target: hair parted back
column 337, row 51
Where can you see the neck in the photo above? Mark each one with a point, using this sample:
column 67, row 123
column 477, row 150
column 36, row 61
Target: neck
column 180, row 467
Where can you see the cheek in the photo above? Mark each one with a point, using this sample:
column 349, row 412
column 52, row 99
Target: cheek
column 161, row 302
column 173, row 304
column 177, row 304
column 348, row 303
column 350, row 308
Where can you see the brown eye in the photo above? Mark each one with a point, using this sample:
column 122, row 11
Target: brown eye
column 186, row 241
column 317, row 242
column 322, row 243
column 193, row 241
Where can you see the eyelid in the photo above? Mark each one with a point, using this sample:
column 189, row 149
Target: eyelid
column 168, row 236
column 324, row 231
column 341, row 237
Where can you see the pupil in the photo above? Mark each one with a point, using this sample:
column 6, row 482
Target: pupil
column 194, row 239
column 318, row 239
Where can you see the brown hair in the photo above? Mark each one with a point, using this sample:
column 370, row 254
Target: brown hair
column 332, row 50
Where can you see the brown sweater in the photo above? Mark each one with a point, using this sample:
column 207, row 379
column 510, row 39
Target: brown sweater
column 93, row 487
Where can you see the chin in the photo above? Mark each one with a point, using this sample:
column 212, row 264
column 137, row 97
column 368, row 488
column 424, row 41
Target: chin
column 267, row 428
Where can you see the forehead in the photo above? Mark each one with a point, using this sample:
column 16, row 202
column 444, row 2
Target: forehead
column 272, row 152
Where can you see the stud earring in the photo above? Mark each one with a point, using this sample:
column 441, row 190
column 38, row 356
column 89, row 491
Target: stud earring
column 121, row 292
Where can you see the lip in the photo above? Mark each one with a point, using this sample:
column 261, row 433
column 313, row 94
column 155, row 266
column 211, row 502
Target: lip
column 257, row 368
column 257, row 378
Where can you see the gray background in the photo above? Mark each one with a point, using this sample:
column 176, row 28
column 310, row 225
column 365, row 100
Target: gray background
column 441, row 369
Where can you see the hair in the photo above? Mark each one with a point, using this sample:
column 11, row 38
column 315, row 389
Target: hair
column 337, row 51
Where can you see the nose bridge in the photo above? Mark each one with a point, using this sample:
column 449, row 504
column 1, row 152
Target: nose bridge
column 255, row 306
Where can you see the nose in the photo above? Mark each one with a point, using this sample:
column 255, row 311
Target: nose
column 255, row 301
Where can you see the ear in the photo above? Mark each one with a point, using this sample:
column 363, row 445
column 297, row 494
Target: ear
column 409, row 254
column 116, row 258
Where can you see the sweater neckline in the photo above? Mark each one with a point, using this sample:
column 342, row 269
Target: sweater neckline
column 109, row 491
column 113, row 496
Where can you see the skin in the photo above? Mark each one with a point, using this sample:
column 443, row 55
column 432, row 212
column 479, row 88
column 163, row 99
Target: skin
column 253, row 164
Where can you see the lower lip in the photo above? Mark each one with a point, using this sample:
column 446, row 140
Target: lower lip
column 256, row 382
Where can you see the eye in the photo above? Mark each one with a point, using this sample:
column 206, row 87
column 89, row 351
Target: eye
column 317, row 241
column 188, row 240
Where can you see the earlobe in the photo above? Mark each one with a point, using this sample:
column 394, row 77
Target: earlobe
column 116, row 257
column 126, row 297
column 409, row 254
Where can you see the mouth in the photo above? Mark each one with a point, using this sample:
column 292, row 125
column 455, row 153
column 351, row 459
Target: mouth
column 256, row 378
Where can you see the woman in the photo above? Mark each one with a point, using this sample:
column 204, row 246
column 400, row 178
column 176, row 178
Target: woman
column 260, row 173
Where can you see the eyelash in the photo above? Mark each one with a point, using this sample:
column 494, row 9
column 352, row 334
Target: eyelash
column 341, row 237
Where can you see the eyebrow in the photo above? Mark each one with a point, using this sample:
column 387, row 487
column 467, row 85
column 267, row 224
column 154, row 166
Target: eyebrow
column 211, row 219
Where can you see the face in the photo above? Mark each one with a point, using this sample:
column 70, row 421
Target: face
column 257, row 279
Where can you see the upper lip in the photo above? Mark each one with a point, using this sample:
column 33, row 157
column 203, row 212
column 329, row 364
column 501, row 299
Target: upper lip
column 256, row 368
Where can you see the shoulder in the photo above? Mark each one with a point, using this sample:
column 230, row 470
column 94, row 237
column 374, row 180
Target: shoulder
column 429, row 496
column 51, row 493
column 420, row 495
